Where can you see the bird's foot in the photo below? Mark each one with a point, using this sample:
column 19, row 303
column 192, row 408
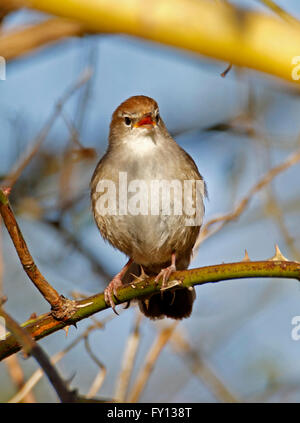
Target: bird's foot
column 165, row 275
column 111, row 291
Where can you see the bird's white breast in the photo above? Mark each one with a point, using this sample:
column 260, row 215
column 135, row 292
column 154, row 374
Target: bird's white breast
column 142, row 144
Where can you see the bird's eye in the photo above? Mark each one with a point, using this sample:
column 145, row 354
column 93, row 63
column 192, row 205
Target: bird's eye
column 157, row 118
column 127, row 121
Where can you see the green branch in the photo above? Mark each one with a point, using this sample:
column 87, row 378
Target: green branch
column 46, row 324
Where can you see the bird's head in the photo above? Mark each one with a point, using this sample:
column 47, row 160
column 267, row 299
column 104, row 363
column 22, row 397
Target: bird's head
column 136, row 117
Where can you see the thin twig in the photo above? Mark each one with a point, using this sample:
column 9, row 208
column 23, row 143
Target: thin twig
column 274, row 210
column 49, row 293
column 23, row 162
column 99, row 379
column 38, row 374
column 6, row 7
column 76, row 243
column 157, row 347
column 200, row 368
column 216, row 224
column 279, row 11
column 228, row 69
column 32, row 348
column 74, row 135
column 60, row 306
column 85, row 95
column 22, row 41
column 17, row 376
column 128, row 361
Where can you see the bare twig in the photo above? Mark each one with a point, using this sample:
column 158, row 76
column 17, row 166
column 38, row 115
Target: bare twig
column 32, row 348
column 6, row 7
column 279, row 11
column 99, row 379
column 228, row 69
column 38, row 374
column 21, row 41
column 61, row 307
column 128, row 360
column 74, row 136
column 71, row 238
column 199, row 368
column 272, row 207
column 274, row 210
column 216, row 224
column 157, row 347
column 17, row 376
column 34, row 274
column 85, row 95
column 23, row 162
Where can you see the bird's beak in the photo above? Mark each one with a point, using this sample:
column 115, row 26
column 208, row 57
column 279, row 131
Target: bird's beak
column 145, row 121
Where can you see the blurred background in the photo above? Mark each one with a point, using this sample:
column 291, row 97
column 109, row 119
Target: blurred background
column 237, row 345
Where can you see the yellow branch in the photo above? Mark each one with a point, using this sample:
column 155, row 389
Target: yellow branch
column 244, row 38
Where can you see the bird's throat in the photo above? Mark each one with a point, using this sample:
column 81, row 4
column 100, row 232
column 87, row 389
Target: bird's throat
column 142, row 144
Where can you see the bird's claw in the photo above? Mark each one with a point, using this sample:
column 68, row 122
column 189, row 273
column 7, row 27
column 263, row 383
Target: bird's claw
column 126, row 305
column 165, row 274
column 111, row 291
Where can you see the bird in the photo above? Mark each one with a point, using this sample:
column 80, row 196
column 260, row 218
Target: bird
column 157, row 239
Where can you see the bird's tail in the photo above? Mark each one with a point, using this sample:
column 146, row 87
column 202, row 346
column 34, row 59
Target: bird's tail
column 176, row 304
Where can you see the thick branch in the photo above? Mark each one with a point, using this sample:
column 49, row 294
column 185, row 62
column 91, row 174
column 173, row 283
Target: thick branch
column 248, row 39
column 58, row 304
column 49, row 293
column 46, row 324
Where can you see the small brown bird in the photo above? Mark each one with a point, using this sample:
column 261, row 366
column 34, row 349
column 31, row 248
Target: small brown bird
column 151, row 229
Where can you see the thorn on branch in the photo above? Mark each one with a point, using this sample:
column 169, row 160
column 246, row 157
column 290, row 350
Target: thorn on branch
column 66, row 329
column 171, row 284
column 3, row 300
column 246, row 257
column 278, row 255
